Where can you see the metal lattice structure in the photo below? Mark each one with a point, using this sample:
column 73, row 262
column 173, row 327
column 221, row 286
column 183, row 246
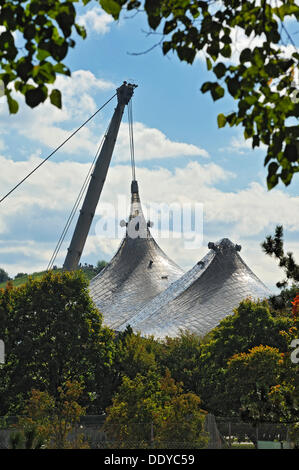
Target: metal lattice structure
column 202, row 297
column 138, row 272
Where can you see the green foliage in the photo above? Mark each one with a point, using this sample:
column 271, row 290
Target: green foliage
column 254, row 380
column 201, row 364
column 20, row 275
column 51, row 421
column 136, row 355
column 100, row 265
column 274, row 246
column 188, row 27
column 46, row 32
column 181, row 355
column 282, row 303
column 60, row 361
column 3, row 275
column 88, row 270
column 53, row 333
column 32, row 61
column 270, row 391
column 251, row 325
column 28, row 439
column 177, row 418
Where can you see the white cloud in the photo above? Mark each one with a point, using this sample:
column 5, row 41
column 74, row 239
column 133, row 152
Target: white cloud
column 50, row 126
column 239, row 145
column 95, row 20
column 47, row 125
column 245, row 216
column 151, row 143
column 56, row 185
column 241, row 41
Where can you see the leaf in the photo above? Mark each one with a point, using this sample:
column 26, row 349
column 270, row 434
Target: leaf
column 219, row 70
column 55, row 98
column 233, row 86
column 291, row 153
column 272, row 181
column 169, row 26
column 111, row 7
column 255, row 141
column 206, row 86
column 186, row 53
column 166, row 46
column 286, row 176
column 154, row 21
column 29, row 31
column 81, row 30
column 217, row 92
column 65, row 21
column 61, row 68
column 42, row 54
column 272, row 168
column 245, row 55
column 24, row 68
column 44, row 73
column 13, row 105
column 35, row 96
column 221, row 120
column 209, row 63
column 226, row 50
column 59, row 51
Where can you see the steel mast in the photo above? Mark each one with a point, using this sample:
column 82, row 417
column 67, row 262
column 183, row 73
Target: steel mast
column 124, row 94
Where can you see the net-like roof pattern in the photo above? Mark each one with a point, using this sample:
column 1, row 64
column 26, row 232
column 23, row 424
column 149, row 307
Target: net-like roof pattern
column 202, row 297
column 137, row 273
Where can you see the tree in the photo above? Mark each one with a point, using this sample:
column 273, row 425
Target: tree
column 261, row 385
column 251, row 325
column 274, row 246
column 3, row 275
column 261, row 82
column 100, row 265
column 136, row 354
column 45, row 31
column 20, row 275
column 153, row 411
column 53, row 333
column 181, row 356
column 51, row 421
column 28, row 439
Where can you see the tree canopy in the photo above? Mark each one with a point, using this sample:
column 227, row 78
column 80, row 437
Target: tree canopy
column 251, row 325
column 53, row 333
column 3, row 275
column 261, row 385
column 36, row 38
column 275, row 246
column 261, row 82
column 57, row 348
column 177, row 417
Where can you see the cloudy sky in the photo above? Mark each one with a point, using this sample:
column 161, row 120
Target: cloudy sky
column 181, row 156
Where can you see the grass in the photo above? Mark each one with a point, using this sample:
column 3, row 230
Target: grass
column 19, row 281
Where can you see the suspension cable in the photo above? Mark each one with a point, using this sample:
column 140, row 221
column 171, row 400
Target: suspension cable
column 57, row 148
column 131, row 137
column 76, row 205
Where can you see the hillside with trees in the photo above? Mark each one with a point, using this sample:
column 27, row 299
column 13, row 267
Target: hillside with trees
column 55, row 337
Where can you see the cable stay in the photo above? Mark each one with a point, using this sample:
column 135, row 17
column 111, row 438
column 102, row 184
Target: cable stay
column 75, row 207
column 87, row 180
column 94, row 181
column 57, row 148
column 97, row 179
column 131, row 137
